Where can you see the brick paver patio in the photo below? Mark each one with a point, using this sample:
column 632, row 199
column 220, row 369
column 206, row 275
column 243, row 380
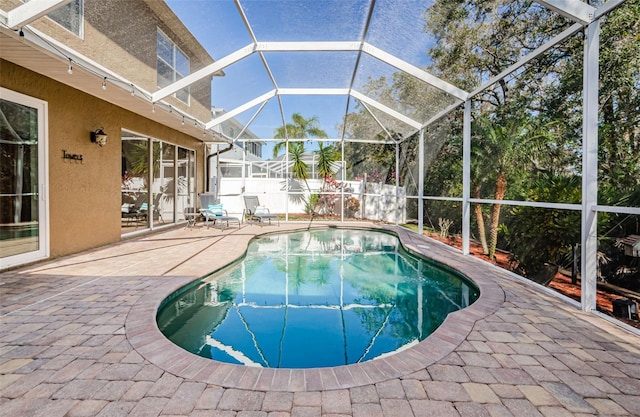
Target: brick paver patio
column 78, row 339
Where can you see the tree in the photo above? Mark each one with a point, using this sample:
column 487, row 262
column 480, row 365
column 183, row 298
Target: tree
column 498, row 147
column 477, row 40
column 300, row 128
column 619, row 133
column 538, row 236
column 327, row 156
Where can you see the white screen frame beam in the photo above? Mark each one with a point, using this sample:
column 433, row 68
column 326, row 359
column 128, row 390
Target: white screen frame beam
column 571, row 9
column 32, row 10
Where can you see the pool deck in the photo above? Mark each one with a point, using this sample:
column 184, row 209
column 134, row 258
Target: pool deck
column 78, row 338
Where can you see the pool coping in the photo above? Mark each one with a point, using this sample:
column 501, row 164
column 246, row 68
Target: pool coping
column 142, row 332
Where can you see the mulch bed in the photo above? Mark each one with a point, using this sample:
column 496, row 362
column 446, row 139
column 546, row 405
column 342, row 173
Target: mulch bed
column 560, row 282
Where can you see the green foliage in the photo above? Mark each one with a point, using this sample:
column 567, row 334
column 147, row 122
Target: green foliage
column 619, row 134
column 309, row 206
column 367, row 158
column 327, row 156
column 536, row 236
column 527, row 128
column 300, row 128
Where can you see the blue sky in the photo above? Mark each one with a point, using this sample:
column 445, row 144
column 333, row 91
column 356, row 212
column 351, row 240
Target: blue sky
column 217, row 24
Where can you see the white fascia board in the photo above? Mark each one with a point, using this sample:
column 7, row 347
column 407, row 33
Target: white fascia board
column 246, row 106
column 307, row 46
column 32, row 10
column 385, row 109
column 207, row 71
column 575, row 10
column 313, row 91
column 415, row 71
column 570, row 31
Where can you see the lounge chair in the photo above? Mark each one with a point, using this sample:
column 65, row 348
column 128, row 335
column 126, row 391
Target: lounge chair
column 155, row 208
column 254, row 212
column 215, row 213
column 191, row 216
column 130, row 214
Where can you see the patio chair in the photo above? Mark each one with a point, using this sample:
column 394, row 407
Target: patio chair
column 254, row 212
column 130, row 214
column 215, row 213
column 155, row 208
column 191, row 216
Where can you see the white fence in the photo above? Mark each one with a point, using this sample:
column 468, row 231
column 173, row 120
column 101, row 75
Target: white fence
column 377, row 201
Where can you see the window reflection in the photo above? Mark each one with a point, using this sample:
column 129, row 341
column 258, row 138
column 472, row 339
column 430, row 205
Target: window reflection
column 19, row 219
column 154, row 194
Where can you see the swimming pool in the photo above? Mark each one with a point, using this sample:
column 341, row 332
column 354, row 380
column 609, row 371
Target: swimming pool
column 314, row 298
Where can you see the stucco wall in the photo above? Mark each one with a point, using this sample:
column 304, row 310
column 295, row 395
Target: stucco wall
column 84, row 197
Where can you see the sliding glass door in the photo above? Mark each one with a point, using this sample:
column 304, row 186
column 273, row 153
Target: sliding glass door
column 158, row 182
column 24, row 226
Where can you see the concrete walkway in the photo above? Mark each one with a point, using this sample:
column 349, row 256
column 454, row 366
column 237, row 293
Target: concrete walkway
column 77, row 338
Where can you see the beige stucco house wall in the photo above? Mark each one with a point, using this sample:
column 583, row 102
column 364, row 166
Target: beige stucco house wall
column 85, row 197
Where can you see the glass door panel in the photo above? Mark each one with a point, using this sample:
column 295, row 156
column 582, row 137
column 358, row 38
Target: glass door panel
column 166, row 199
column 186, row 182
column 134, row 187
column 23, row 228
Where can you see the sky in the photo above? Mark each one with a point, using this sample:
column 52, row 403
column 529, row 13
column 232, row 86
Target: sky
column 396, row 27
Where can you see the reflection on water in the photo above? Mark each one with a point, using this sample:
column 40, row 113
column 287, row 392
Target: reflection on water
column 314, row 299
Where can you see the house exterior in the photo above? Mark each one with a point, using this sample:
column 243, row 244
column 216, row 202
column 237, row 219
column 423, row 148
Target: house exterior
column 631, row 245
column 247, row 148
column 89, row 66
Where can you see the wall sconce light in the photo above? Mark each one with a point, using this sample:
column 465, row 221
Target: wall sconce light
column 99, row 137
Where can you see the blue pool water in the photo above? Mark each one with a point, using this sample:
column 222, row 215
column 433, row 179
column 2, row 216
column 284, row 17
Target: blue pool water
column 314, row 299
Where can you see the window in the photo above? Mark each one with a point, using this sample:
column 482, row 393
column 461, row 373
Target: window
column 173, row 65
column 69, row 16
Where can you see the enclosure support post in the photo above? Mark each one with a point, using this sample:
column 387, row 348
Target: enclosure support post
column 150, row 182
column 466, row 177
column 397, row 181
column 421, row 182
column 589, row 232
column 287, row 179
column 343, row 178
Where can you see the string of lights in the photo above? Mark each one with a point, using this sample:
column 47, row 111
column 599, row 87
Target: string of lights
column 105, row 80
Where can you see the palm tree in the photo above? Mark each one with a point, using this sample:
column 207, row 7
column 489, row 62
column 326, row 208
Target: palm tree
column 327, row 156
column 502, row 146
column 300, row 128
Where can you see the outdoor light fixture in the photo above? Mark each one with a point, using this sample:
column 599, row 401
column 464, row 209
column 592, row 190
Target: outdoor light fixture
column 99, row 137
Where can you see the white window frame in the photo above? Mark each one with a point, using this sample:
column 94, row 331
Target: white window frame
column 80, row 33
column 172, row 65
